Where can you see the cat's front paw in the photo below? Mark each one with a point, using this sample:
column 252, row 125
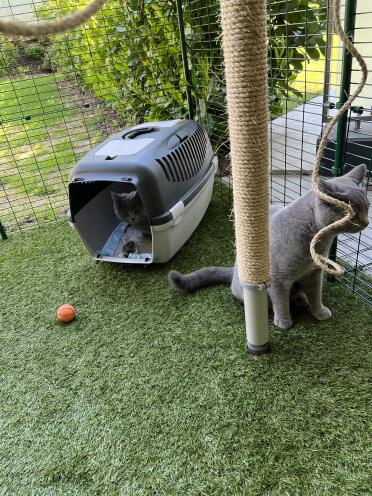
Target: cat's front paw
column 323, row 313
column 128, row 248
column 283, row 323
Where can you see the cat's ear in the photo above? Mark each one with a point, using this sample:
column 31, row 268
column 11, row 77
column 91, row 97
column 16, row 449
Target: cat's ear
column 357, row 174
column 132, row 195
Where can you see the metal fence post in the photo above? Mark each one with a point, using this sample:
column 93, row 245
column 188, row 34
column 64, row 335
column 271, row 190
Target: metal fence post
column 185, row 61
column 341, row 134
column 2, row 232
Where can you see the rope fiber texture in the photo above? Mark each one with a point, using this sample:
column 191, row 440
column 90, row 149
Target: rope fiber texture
column 320, row 261
column 244, row 26
column 65, row 23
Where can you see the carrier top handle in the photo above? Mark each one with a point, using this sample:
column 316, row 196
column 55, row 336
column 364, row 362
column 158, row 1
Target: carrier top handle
column 245, row 53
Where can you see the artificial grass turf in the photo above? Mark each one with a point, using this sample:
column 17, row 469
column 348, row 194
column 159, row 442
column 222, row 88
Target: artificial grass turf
column 151, row 392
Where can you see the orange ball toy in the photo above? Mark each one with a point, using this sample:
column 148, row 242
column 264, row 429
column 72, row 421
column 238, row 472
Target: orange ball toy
column 66, row 313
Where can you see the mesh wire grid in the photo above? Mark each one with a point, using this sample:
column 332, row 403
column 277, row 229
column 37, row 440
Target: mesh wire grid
column 295, row 134
column 60, row 96
column 126, row 66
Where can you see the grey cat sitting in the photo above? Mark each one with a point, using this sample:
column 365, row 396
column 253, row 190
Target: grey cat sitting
column 294, row 276
column 129, row 208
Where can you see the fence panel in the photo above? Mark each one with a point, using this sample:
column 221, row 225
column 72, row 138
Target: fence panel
column 305, row 65
column 61, row 95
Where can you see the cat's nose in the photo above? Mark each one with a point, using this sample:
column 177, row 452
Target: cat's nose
column 364, row 222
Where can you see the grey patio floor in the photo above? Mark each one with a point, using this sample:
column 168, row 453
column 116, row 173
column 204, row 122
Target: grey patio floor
column 293, row 137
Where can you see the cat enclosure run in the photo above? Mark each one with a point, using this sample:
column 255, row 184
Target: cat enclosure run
column 139, row 61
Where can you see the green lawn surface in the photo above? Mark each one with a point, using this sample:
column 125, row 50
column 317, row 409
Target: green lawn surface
column 33, row 138
column 43, row 132
column 151, row 392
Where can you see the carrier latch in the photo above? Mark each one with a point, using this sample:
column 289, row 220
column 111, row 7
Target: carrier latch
column 177, row 212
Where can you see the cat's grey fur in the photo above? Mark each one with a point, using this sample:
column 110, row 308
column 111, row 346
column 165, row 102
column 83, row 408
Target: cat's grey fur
column 293, row 274
column 128, row 207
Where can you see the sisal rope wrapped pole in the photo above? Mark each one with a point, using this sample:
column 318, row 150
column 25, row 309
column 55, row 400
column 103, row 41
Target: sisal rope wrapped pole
column 244, row 25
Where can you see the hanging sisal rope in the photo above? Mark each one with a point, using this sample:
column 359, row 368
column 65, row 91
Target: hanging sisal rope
column 65, row 23
column 320, row 261
column 244, row 26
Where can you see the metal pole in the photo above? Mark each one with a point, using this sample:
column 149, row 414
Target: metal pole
column 341, row 134
column 328, row 55
column 256, row 319
column 2, row 232
column 347, row 65
column 184, row 57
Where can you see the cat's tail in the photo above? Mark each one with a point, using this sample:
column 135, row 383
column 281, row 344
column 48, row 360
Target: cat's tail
column 200, row 278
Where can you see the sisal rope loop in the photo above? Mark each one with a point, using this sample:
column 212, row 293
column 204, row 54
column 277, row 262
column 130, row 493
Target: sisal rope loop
column 65, row 23
column 320, row 261
column 244, row 27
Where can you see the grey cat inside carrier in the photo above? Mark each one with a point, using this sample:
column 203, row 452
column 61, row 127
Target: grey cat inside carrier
column 164, row 171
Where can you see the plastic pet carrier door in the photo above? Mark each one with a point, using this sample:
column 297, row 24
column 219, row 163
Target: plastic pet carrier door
column 167, row 166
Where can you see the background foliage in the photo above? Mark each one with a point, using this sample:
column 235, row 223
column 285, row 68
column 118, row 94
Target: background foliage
column 9, row 54
column 296, row 36
column 34, row 51
column 137, row 66
column 129, row 55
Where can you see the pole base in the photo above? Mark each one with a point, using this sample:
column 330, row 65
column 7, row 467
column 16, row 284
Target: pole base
column 262, row 349
column 2, row 232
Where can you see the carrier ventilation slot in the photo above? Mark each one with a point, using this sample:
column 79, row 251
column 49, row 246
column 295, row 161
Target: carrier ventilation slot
column 186, row 160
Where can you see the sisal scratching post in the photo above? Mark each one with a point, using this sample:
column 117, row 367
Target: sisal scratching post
column 244, row 26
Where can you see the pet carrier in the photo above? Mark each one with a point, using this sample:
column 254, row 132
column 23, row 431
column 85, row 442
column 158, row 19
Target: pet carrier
column 169, row 164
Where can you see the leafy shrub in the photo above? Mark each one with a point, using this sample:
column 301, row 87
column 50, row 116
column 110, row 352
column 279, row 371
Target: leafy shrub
column 296, row 36
column 47, row 62
column 56, row 57
column 35, row 51
column 9, row 55
column 128, row 55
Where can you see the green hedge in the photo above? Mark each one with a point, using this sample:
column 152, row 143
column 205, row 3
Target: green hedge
column 35, row 51
column 9, row 54
column 129, row 55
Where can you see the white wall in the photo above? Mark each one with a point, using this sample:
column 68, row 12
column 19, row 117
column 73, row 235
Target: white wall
column 363, row 42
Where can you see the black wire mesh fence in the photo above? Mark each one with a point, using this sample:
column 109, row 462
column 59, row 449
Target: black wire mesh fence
column 60, row 96
column 306, row 81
